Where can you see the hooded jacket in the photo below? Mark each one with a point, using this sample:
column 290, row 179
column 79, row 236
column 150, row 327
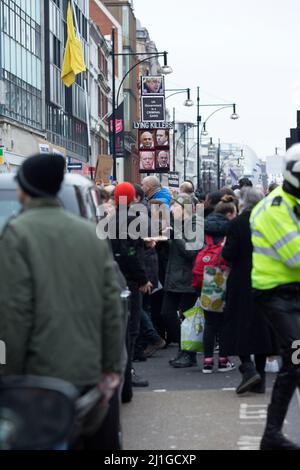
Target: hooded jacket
column 217, row 226
column 60, row 312
column 163, row 195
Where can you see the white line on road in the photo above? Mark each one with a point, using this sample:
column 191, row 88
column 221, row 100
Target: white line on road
column 251, row 415
column 249, row 442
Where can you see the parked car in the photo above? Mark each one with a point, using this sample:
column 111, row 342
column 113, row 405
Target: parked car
column 77, row 195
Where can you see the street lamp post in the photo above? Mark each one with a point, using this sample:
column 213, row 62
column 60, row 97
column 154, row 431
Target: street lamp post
column 166, row 69
column 218, row 164
column 220, row 106
column 241, row 157
column 188, row 102
column 114, row 104
column 198, row 139
column 184, row 152
column 174, row 139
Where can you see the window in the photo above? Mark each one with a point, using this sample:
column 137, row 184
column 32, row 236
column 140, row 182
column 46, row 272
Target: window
column 84, row 28
column 102, row 104
column 6, row 45
column 22, row 102
column 19, row 61
column 18, row 28
column 126, row 22
column 102, row 61
column 12, row 24
column 5, row 24
column 104, row 147
column 55, row 50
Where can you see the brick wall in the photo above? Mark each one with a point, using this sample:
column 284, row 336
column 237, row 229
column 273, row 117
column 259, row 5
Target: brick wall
column 105, row 25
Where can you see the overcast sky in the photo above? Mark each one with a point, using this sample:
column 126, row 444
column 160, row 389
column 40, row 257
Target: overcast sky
column 243, row 51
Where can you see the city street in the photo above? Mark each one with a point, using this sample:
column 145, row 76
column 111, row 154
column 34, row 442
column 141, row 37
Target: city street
column 149, row 193
column 183, row 409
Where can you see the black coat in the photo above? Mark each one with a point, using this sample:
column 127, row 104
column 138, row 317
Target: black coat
column 217, row 226
column 129, row 253
column 181, row 262
column 245, row 331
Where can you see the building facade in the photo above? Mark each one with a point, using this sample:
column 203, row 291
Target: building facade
column 122, row 10
column 144, row 45
column 66, row 112
column 21, row 78
column 99, row 93
column 105, row 22
column 38, row 113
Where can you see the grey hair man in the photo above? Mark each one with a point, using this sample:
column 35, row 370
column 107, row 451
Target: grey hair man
column 249, row 197
column 188, row 187
column 155, row 192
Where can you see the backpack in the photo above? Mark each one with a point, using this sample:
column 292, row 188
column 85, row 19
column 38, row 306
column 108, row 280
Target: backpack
column 209, row 256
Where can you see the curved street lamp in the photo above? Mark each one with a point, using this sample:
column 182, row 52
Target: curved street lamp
column 188, row 102
column 204, row 132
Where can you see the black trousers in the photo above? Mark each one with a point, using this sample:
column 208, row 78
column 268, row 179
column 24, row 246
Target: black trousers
column 107, row 437
column 156, row 302
column 134, row 322
column 260, row 363
column 281, row 307
column 214, row 322
column 172, row 303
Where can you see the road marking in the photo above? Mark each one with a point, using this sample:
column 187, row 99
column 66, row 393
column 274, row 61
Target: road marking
column 159, row 391
column 249, row 443
column 228, row 389
column 251, row 415
column 253, row 412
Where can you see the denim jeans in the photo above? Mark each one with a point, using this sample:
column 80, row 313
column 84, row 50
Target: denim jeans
column 148, row 334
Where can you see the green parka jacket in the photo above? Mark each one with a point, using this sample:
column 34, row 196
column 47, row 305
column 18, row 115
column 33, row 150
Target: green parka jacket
column 60, row 313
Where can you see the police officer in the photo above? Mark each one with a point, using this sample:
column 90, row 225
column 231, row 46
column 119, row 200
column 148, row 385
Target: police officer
column 275, row 224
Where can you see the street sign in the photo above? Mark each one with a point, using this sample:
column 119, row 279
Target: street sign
column 2, row 159
column 153, row 108
column 74, row 166
column 120, row 132
column 174, row 179
column 153, row 125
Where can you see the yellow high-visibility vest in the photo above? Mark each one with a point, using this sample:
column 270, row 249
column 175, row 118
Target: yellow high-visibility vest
column 275, row 230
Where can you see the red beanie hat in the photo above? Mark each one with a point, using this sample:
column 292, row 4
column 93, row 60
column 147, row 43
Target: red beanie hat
column 125, row 190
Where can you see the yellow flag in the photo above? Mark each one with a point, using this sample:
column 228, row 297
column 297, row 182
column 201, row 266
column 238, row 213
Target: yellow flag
column 73, row 59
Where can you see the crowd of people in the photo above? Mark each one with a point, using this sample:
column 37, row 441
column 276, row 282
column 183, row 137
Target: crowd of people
column 243, row 329
column 159, row 274
column 252, row 236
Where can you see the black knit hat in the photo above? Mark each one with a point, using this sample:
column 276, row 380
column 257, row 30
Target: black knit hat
column 41, row 175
